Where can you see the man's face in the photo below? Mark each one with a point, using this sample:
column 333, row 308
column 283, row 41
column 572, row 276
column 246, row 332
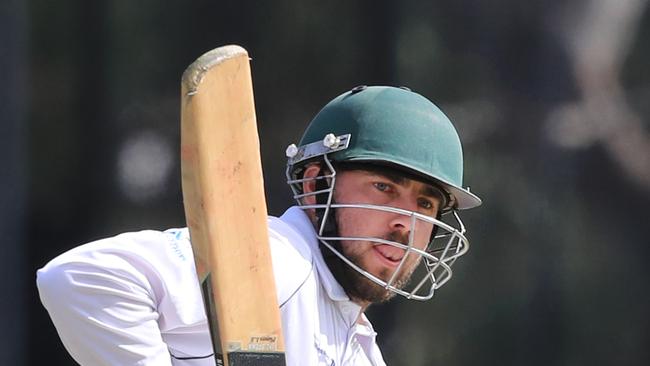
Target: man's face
column 381, row 260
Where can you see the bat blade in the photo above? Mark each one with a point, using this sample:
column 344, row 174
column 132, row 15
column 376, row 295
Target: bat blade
column 225, row 208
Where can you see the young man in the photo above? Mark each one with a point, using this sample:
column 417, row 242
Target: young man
column 378, row 179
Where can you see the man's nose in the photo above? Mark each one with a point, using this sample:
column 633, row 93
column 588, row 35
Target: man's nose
column 401, row 222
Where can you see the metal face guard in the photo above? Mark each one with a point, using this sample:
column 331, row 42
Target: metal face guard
column 434, row 263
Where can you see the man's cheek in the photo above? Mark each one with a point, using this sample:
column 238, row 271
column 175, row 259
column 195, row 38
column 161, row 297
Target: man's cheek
column 421, row 241
column 425, row 229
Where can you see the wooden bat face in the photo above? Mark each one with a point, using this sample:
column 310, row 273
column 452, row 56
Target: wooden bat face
column 225, row 208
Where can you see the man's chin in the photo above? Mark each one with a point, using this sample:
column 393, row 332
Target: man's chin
column 357, row 286
column 366, row 290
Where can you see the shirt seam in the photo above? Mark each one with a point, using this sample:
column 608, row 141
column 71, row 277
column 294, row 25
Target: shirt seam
column 311, row 270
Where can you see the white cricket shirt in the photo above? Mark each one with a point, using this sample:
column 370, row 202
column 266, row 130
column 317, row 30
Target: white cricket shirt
column 134, row 299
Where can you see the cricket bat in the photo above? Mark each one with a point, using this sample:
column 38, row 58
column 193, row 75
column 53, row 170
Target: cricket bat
column 225, row 209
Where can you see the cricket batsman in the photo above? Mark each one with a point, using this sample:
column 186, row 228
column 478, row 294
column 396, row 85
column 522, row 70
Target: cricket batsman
column 378, row 183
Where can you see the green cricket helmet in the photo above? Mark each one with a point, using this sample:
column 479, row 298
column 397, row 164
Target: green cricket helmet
column 402, row 130
column 389, row 126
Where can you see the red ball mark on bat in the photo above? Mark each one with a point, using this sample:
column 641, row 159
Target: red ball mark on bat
column 237, row 167
column 188, row 153
column 193, row 223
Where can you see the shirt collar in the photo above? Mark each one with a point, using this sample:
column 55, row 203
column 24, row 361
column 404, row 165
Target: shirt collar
column 297, row 218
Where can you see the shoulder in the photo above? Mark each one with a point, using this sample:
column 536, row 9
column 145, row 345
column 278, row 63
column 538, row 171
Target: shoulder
column 150, row 260
column 156, row 265
column 293, row 260
column 147, row 249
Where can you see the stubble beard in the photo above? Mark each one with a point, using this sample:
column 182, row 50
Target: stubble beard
column 359, row 287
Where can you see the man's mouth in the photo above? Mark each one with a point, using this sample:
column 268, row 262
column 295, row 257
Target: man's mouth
column 390, row 254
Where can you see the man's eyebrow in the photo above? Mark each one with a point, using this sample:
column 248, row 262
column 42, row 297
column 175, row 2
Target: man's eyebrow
column 393, row 177
column 427, row 189
column 432, row 191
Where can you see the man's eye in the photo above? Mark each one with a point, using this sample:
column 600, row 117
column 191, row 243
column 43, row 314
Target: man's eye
column 426, row 204
column 381, row 186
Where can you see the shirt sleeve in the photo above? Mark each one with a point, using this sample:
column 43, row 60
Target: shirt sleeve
column 102, row 300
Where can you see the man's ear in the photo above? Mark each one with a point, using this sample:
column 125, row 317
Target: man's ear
column 309, row 185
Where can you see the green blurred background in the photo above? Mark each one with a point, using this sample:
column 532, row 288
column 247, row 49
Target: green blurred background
column 551, row 99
